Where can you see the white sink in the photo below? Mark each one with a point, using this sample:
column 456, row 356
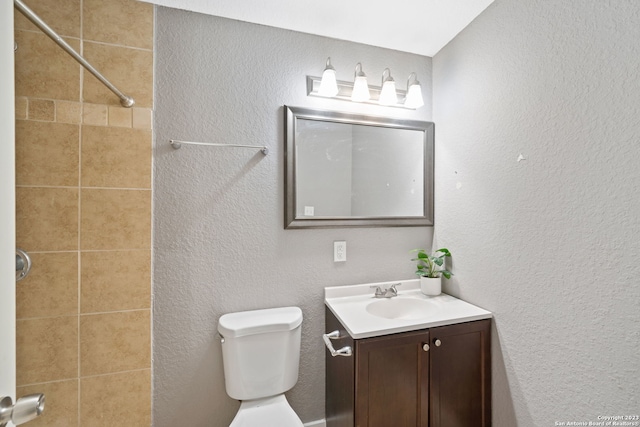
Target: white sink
column 402, row 308
column 365, row 316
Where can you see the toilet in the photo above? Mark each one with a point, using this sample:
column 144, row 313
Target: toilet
column 261, row 354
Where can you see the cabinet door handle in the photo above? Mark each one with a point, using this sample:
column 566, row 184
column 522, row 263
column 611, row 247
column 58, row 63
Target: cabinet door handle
column 344, row 351
column 425, row 347
column 437, row 342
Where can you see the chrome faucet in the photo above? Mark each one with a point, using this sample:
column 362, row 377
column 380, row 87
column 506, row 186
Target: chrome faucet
column 386, row 292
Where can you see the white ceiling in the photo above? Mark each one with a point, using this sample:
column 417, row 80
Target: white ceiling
column 417, row 26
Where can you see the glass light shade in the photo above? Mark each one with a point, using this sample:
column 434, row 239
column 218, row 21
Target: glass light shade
column 414, row 97
column 328, row 84
column 360, row 90
column 388, row 95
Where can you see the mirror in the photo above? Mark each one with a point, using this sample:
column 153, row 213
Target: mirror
column 351, row 170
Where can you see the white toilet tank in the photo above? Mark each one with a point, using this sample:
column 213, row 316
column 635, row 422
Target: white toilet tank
column 260, row 351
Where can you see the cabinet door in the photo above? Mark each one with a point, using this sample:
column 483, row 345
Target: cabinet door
column 392, row 381
column 461, row 375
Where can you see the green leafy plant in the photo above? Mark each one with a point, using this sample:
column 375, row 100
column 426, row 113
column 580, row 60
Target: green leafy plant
column 430, row 265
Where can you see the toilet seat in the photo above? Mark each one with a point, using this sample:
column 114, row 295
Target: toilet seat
column 271, row 411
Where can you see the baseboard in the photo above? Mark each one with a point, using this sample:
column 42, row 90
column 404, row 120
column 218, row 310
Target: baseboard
column 318, row 423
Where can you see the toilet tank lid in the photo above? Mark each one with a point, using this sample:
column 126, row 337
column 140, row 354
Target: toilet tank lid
column 259, row 321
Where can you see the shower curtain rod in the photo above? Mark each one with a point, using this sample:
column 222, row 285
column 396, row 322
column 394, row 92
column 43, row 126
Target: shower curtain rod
column 125, row 101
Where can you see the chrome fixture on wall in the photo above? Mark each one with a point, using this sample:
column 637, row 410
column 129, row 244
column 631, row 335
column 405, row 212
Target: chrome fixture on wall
column 177, row 144
column 328, row 84
column 359, row 90
column 388, row 95
column 414, row 92
column 23, row 264
column 125, row 100
column 25, row 409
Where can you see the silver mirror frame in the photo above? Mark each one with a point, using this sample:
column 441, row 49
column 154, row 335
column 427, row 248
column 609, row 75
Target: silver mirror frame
column 292, row 114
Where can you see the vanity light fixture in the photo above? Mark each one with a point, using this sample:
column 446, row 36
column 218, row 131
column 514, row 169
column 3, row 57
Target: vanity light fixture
column 359, row 90
column 328, row 85
column 388, row 95
column 414, row 93
column 360, row 87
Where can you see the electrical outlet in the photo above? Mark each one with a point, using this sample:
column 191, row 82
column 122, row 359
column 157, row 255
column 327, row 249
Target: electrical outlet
column 339, row 251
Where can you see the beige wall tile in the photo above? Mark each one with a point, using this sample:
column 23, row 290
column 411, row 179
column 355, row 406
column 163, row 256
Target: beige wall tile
column 47, row 153
column 44, row 70
column 47, row 219
column 115, row 219
column 61, row 15
column 21, row 108
column 114, row 342
column 115, row 281
column 51, row 288
column 122, row 22
column 119, row 116
column 47, row 349
column 61, row 408
column 107, row 400
column 130, row 70
column 116, row 157
column 42, row 109
column 142, row 118
column 95, row 114
column 68, row 112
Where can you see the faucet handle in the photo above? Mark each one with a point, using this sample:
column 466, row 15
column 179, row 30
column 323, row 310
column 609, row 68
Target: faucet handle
column 379, row 291
column 393, row 289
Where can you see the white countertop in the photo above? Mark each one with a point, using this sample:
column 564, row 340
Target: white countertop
column 348, row 304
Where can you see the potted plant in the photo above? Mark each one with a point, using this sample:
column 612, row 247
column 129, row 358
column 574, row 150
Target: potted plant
column 430, row 269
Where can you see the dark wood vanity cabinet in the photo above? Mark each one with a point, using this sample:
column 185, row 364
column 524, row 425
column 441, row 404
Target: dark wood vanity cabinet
column 438, row 377
column 392, row 380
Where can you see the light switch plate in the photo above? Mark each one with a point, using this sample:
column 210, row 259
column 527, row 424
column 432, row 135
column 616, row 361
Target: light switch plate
column 339, row 251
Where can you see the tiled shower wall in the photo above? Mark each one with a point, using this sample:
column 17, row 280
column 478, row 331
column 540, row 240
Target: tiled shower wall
column 83, row 174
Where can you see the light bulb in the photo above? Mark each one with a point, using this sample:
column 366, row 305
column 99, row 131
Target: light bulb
column 328, row 84
column 360, row 87
column 414, row 93
column 388, row 95
column 414, row 97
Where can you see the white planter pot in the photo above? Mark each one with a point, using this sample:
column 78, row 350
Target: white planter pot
column 431, row 285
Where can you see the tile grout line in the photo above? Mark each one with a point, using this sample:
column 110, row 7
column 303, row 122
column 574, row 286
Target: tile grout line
column 72, row 251
column 62, row 187
column 81, row 99
column 143, row 49
column 84, row 377
column 80, row 120
column 96, row 313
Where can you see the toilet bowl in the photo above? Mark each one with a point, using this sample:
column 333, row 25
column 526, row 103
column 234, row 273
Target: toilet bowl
column 261, row 354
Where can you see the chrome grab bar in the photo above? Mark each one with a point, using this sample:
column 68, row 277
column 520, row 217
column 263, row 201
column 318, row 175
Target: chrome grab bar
column 344, row 351
column 23, row 264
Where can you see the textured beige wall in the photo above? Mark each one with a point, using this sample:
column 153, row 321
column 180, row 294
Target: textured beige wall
column 548, row 244
column 83, row 175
